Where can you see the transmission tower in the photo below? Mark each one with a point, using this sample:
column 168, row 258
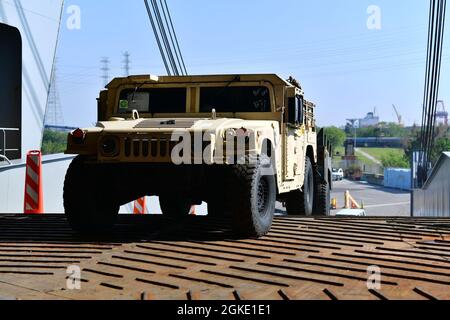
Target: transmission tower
column 441, row 113
column 126, row 63
column 53, row 114
column 105, row 70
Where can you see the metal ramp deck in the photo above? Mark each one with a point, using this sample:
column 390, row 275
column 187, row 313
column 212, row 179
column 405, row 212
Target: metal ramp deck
column 151, row 257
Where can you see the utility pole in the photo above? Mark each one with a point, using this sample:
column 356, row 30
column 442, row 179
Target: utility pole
column 353, row 124
column 126, row 63
column 105, row 70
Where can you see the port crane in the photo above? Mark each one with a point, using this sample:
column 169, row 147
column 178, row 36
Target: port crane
column 441, row 113
column 399, row 116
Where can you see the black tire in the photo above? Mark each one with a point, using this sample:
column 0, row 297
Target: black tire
column 175, row 207
column 300, row 203
column 89, row 198
column 254, row 197
column 323, row 200
column 217, row 209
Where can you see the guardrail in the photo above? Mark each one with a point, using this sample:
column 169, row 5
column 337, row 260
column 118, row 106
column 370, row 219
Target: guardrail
column 433, row 200
column 5, row 148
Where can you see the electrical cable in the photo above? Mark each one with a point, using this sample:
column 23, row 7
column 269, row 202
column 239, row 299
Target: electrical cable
column 176, row 38
column 437, row 16
column 171, row 38
column 157, row 37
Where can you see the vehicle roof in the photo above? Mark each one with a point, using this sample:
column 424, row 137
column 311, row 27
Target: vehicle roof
column 272, row 78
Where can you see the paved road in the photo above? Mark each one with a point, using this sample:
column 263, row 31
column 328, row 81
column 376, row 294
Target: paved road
column 378, row 201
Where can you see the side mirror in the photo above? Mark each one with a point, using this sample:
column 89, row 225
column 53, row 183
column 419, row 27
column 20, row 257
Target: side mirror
column 301, row 111
column 296, row 111
column 292, row 111
column 102, row 106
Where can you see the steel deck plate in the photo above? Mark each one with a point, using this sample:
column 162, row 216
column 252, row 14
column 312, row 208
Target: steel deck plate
column 151, row 257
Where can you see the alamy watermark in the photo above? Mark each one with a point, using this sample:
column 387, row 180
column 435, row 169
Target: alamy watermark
column 374, row 19
column 374, row 278
column 234, row 147
column 73, row 281
column 73, row 21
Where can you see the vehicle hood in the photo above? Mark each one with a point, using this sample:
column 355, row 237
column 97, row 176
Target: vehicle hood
column 177, row 124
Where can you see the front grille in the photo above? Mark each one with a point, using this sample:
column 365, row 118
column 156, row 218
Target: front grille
column 155, row 148
column 147, row 148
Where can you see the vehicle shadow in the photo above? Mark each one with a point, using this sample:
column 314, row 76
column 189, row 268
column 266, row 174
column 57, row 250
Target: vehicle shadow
column 54, row 229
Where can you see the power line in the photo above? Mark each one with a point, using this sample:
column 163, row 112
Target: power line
column 155, row 32
column 431, row 87
column 163, row 33
column 175, row 36
column 166, row 38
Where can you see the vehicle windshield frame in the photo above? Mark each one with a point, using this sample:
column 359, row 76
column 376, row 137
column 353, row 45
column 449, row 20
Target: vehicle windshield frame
column 189, row 99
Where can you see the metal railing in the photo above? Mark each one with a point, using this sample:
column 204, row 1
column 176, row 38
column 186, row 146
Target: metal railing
column 5, row 149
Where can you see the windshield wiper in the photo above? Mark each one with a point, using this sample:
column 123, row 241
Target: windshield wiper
column 168, row 123
column 218, row 94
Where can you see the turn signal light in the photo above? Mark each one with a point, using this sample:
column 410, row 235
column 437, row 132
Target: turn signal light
column 79, row 136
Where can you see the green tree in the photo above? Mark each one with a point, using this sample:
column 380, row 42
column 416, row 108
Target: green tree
column 336, row 136
column 441, row 143
column 383, row 129
column 53, row 142
column 394, row 160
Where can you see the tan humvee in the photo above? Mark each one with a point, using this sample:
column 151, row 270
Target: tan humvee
column 237, row 142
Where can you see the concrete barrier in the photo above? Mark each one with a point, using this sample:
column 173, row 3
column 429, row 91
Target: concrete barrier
column 397, row 178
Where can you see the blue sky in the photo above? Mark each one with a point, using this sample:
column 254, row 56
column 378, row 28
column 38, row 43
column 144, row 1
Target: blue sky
column 344, row 67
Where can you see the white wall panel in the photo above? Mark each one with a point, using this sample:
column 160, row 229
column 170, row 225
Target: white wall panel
column 38, row 22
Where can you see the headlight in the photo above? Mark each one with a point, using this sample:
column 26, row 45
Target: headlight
column 230, row 134
column 109, row 146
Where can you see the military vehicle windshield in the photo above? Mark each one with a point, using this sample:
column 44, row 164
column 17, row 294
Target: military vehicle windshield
column 235, row 99
column 155, row 100
column 173, row 100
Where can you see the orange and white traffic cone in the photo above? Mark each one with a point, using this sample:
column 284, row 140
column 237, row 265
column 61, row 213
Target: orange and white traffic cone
column 140, row 206
column 350, row 202
column 347, row 199
column 34, row 194
column 333, row 204
column 192, row 212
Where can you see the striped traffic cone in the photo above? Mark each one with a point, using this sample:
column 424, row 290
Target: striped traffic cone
column 140, row 206
column 34, row 195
